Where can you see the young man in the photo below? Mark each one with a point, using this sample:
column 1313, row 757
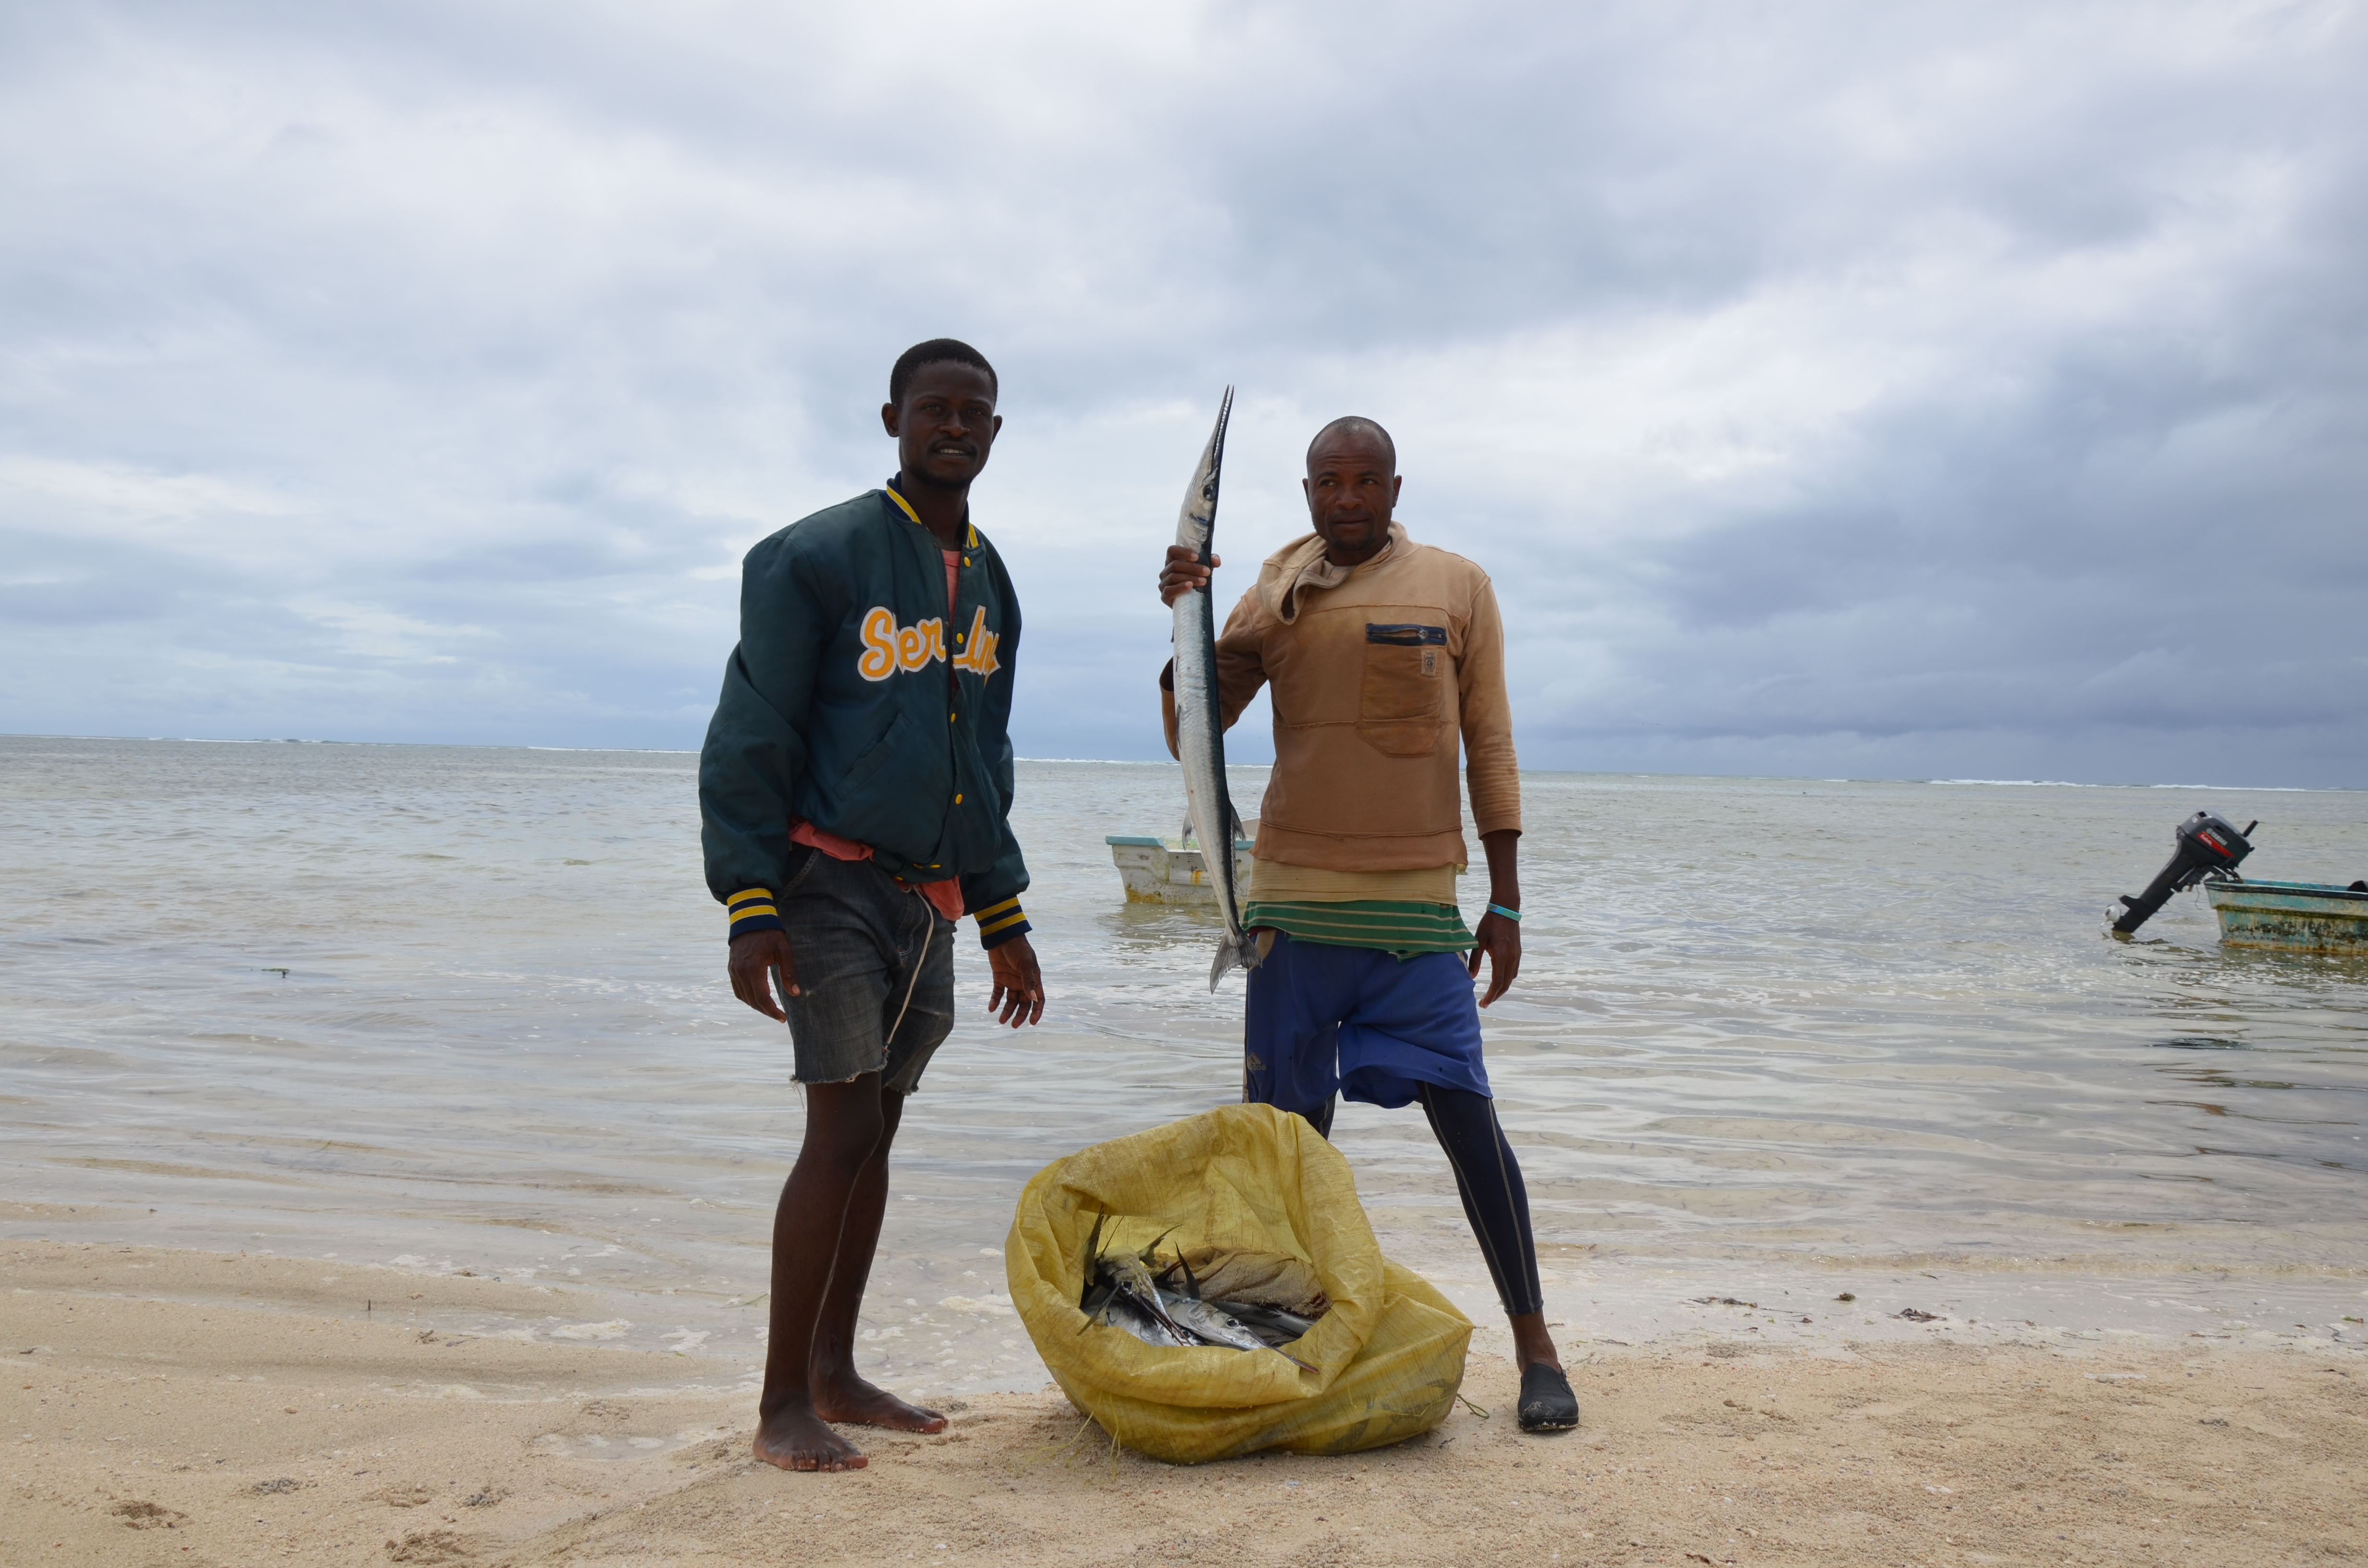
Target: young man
column 855, row 799
column 1383, row 653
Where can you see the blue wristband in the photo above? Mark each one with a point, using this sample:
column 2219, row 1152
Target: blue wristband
column 1512, row 914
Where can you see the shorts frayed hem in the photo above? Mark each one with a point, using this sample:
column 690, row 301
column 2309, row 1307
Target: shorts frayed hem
column 826, row 1083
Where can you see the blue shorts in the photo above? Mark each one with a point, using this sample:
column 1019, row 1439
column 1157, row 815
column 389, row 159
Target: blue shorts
column 1323, row 1019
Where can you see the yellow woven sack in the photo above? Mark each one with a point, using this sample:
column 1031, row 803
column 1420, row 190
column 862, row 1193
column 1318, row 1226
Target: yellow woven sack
column 1389, row 1354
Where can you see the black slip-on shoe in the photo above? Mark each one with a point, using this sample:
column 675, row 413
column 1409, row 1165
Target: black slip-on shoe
column 1547, row 1403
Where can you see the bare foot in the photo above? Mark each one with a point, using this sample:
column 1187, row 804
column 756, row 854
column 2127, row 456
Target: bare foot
column 858, row 1404
column 799, row 1440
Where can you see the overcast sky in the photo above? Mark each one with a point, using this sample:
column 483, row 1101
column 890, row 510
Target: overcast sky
column 1853, row 388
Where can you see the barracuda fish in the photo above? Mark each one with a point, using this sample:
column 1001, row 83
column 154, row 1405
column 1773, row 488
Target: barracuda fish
column 1199, row 716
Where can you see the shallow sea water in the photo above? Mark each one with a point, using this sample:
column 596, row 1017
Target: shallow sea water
column 456, row 1008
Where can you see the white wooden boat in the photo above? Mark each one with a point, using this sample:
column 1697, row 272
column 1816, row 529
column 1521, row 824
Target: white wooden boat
column 1172, row 871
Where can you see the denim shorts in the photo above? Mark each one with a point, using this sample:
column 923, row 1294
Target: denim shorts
column 875, row 974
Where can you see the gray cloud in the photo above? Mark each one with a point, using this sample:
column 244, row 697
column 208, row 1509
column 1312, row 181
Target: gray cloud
column 1852, row 389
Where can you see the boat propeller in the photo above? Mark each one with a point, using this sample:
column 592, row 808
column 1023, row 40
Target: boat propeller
column 2207, row 846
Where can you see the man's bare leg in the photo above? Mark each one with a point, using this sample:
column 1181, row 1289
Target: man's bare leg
column 840, row 1393
column 1532, row 1343
column 844, row 1128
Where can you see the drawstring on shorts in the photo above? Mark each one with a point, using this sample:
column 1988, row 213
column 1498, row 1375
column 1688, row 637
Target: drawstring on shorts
column 928, row 929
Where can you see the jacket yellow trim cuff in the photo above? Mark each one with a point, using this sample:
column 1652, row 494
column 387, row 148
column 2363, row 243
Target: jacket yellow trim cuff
column 997, row 924
column 752, row 909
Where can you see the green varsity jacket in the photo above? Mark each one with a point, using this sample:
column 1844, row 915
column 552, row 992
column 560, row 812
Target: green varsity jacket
column 854, row 703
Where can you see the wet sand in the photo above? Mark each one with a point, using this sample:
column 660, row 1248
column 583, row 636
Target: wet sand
column 201, row 1409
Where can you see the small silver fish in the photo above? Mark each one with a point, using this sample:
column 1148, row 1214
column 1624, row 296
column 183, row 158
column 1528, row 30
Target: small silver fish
column 1273, row 1324
column 1123, row 1311
column 1127, row 1272
column 1206, row 1321
column 1123, row 1281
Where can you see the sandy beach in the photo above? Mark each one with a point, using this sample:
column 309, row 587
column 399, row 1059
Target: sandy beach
column 441, row 1239
column 197, row 1409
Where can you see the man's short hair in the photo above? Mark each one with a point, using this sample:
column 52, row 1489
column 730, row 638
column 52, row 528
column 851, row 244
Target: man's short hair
column 937, row 351
column 1354, row 425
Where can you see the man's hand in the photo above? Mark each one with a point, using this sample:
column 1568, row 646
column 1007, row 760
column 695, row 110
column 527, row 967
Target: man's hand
column 1501, row 940
column 1019, row 983
column 754, row 959
column 1498, row 938
column 1184, row 573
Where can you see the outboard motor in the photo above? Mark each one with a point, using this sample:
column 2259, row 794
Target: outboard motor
column 2208, row 846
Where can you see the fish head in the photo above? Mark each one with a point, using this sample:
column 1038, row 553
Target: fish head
column 1198, row 522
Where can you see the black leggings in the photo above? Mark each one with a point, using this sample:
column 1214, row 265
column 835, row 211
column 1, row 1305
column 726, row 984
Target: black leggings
column 1488, row 1178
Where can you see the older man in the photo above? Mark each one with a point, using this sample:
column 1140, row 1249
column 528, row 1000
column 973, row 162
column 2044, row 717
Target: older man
column 1383, row 654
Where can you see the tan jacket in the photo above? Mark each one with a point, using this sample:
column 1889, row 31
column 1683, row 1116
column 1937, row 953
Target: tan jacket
column 1377, row 669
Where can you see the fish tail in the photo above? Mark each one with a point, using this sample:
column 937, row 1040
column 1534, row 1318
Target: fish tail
column 1236, row 951
column 1229, row 956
